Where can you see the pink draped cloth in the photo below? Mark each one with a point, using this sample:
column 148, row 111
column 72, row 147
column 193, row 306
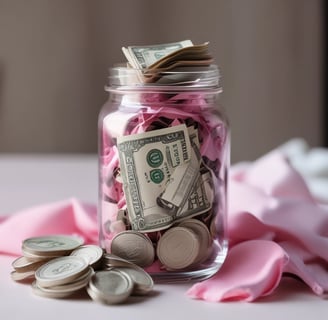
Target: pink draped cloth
column 275, row 226
column 65, row 217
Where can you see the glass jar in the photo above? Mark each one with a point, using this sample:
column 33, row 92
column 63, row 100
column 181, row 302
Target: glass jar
column 164, row 152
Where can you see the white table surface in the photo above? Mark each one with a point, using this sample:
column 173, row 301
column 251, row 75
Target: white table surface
column 27, row 180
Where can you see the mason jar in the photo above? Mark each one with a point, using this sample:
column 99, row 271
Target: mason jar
column 164, row 152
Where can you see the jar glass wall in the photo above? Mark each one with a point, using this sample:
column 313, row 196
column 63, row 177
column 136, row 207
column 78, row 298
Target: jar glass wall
column 164, row 150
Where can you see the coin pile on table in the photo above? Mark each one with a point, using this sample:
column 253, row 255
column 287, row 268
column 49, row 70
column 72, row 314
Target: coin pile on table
column 118, row 280
column 39, row 250
column 143, row 283
column 59, row 266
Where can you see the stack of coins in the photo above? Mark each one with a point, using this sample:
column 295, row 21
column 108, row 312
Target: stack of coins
column 110, row 287
column 92, row 254
column 59, row 266
column 143, row 283
column 204, row 236
column 24, row 269
column 39, row 250
column 62, row 277
column 118, row 281
column 185, row 245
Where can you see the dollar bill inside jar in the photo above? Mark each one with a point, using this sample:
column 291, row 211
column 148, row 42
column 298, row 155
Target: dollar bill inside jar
column 163, row 179
column 163, row 160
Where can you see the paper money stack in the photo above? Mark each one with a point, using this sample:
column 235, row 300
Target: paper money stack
column 153, row 60
column 167, row 186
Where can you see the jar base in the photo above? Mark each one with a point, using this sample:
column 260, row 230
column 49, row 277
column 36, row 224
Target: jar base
column 193, row 275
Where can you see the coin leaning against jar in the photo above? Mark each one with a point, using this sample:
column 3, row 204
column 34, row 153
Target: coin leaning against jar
column 134, row 247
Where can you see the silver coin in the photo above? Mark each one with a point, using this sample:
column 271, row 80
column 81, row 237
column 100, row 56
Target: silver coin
column 134, row 247
column 66, row 289
column 94, row 296
column 22, row 264
column 110, row 287
column 110, row 260
column 37, row 257
column 51, row 245
column 178, row 248
column 22, row 276
column 54, row 294
column 84, row 278
column 143, row 283
column 92, row 254
column 60, row 271
column 203, row 234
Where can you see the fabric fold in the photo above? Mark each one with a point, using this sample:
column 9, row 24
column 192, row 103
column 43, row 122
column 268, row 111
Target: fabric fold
column 275, row 226
column 252, row 269
column 271, row 211
column 71, row 217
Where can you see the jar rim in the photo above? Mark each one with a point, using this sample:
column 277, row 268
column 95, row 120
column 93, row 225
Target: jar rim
column 182, row 78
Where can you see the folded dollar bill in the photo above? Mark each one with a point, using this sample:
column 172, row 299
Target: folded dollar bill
column 154, row 59
column 161, row 175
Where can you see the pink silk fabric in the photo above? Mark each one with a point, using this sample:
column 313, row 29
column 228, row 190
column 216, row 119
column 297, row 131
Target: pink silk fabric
column 70, row 217
column 275, row 226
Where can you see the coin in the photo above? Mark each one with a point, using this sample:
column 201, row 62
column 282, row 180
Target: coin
column 22, row 276
column 22, row 264
column 60, row 271
column 62, row 291
column 46, row 294
column 110, row 260
column 51, row 245
column 134, row 247
column 178, row 248
column 56, row 294
column 110, row 287
column 90, row 253
column 203, row 234
column 84, row 278
column 143, row 283
column 38, row 257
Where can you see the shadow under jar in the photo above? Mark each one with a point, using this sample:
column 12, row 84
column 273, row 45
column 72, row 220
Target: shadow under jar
column 164, row 152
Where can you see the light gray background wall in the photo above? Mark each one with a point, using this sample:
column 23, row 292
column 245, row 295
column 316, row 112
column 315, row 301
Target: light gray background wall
column 54, row 56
